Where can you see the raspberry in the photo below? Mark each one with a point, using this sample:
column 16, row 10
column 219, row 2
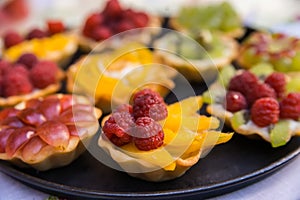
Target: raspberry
column 94, row 20
column 43, row 74
column 112, row 9
column 235, row 101
column 101, row 33
column 265, row 111
column 277, row 81
column 147, row 103
column 27, row 59
column 290, row 106
column 145, row 127
column 15, row 83
column 259, row 91
column 243, row 82
column 116, row 128
column 150, row 134
column 12, row 38
column 4, row 67
column 140, row 20
column 55, row 27
column 124, row 108
column 19, row 68
column 36, row 33
column 124, row 25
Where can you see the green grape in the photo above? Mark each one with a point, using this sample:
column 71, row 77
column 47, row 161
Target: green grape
column 262, row 69
column 293, row 85
column 226, row 75
column 296, row 62
column 280, row 134
column 283, row 65
column 238, row 119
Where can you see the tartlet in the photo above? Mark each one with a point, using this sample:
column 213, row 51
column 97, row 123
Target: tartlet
column 280, row 50
column 215, row 17
column 24, row 80
column 197, row 59
column 258, row 103
column 55, row 43
column 111, row 77
column 188, row 136
column 115, row 19
column 48, row 132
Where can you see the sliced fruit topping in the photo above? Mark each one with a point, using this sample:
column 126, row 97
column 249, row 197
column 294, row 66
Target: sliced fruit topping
column 32, row 148
column 235, row 101
column 12, row 121
column 30, row 116
column 4, row 135
column 280, row 134
column 55, row 26
column 290, row 106
column 147, row 103
column 238, row 119
column 18, row 138
column 265, row 111
column 50, row 108
column 8, row 112
column 54, row 133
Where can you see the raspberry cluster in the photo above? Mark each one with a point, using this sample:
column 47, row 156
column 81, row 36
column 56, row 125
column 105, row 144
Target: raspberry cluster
column 26, row 74
column 12, row 38
column 266, row 99
column 112, row 20
column 138, row 123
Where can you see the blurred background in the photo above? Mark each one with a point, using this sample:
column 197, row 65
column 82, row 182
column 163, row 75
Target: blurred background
column 283, row 15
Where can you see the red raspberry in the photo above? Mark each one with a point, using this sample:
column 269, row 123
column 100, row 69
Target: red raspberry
column 147, row 103
column 43, row 74
column 277, row 81
column 93, row 21
column 124, row 25
column 112, row 9
column 235, row 101
column 4, row 67
column 12, row 38
column 151, row 135
column 27, row 59
column 19, row 68
column 243, row 82
column 116, row 128
column 140, row 20
column 124, row 108
column 101, row 33
column 259, row 91
column 55, row 27
column 265, row 111
column 290, row 106
column 15, row 83
column 36, row 33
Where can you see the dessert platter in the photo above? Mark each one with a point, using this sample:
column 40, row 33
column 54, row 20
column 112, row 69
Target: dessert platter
column 168, row 112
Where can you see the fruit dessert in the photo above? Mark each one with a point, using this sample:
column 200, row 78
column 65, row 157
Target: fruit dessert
column 196, row 58
column 110, row 77
column 256, row 103
column 46, row 133
column 156, row 142
column 27, row 78
column 218, row 17
column 54, row 43
column 114, row 19
column 282, row 51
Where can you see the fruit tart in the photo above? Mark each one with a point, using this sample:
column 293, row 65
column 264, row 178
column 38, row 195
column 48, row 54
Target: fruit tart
column 114, row 19
column 46, row 133
column 27, row 78
column 54, row 43
column 217, row 17
column 196, row 58
column 111, row 77
column 156, row 142
column 280, row 50
column 256, row 103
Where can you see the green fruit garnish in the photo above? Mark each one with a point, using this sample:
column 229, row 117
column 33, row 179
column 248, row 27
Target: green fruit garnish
column 221, row 17
column 296, row 62
column 293, row 85
column 238, row 119
column 262, row 69
column 226, row 75
column 280, row 134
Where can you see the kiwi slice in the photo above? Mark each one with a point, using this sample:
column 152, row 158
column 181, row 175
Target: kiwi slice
column 238, row 119
column 280, row 134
